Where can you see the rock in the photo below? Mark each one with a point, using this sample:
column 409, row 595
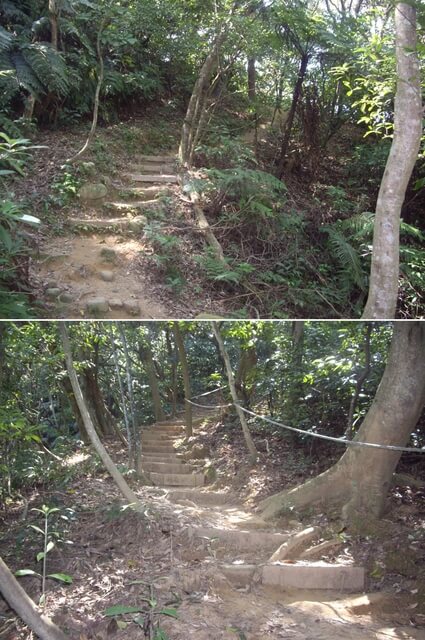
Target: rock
column 88, row 168
column 92, row 191
column 107, row 276
column 97, row 306
column 66, row 297
column 53, row 293
column 116, row 303
column 109, row 255
column 52, row 284
column 137, row 223
column 133, row 308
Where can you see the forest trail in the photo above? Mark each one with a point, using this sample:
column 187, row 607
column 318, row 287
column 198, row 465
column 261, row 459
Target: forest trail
column 96, row 269
column 220, row 565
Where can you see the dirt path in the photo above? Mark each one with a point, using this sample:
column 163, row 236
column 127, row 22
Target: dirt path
column 100, row 267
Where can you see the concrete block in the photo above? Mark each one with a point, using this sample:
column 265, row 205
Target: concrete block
column 155, row 178
column 239, row 574
column 167, row 467
column 145, row 158
column 241, row 540
column 314, row 575
column 177, row 479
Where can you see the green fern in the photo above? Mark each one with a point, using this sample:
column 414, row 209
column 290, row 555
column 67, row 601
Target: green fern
column 351, row 267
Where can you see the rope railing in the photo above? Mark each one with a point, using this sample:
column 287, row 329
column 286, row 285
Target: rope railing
column 311, row 434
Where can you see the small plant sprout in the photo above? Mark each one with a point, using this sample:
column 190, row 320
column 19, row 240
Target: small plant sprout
column 48, row 545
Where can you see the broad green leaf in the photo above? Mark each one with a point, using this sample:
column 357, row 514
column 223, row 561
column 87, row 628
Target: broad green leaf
column 40, row 556
column 26, row 572
column 62, row 577
column 33, row 526
column 170, row 612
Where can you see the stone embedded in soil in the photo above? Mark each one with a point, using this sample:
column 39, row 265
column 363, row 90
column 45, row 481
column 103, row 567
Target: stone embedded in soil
column 116, row 303
column 90, row 192
column 53, row 293
column 338, row 577
column 133, row 308
column 97, row 306
column 107, row 276
column 66, row 298
column 137, row 223
column 109, row 255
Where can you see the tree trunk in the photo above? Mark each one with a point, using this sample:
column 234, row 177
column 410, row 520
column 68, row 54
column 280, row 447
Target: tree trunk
column 361, row 377
column 20, row 602
column 186, row 378
column 145, row 355
column 245, row 374
column 136, row 440
column 101, row 73
column 383, row 287
column 252, row 80
column 172, row 355
column 53, row 14
column 248, row 438
column 291, row 115
column 358, row 483
column 193, row 112
column 123, row 398
column 100, row 449
column 94, row 398
column 67, row 387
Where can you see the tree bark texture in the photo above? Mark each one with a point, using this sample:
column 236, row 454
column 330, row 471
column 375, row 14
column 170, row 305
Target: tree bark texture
column 194, row 109
column 358, row 483
column 291, row 115
column 383, row 286
column 230, row 377
column 97, row 444
column 145, row 355
column 20, row 602
column 186, row 378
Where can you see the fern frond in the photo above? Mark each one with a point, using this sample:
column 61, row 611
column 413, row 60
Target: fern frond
column 48, row 66
column 347, row 256
column 6, row 39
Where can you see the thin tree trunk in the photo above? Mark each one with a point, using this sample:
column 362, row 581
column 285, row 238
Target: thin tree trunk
column 358, row 483
column 172, row 355
column 252, row 80
column 363, row 374
column 145, row 355
column 97, row 444
column 136, row 435
column 100, row 77
column 186, row 378
column 291, row 115
column 248, row 438
column 193, row 112
column 383, row 287
column 53, row 13
column 123, row 398
column 20, row 602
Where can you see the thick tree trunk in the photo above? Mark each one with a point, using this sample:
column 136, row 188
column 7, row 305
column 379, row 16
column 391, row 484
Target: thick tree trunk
column 245, row 374
column 100, row 449
column 172, row 355
column 145, row 355
column 291, row 115
column 230, row 377
column 67, row 387
column 194, row 109
column 94, row 397
column 383, row 287
column 186, row 378
column 20, row 602
column 361, row 378
column 359, row 482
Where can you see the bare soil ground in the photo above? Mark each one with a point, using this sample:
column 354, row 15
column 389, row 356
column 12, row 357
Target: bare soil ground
column 155, row 274
column 119, row 557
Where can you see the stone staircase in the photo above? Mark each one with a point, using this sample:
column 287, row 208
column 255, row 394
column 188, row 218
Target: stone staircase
column 161, row 461
column 141, row 187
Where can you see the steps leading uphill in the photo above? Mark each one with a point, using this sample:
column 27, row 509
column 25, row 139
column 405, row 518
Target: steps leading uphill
column 161, row 461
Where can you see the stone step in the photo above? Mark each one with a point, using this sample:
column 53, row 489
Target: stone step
column 145, row 158
column 146, row 193
column 202, row 498
column 133, row 224
column 167, row 467
column 174, row 430
column 166, row 457
column 164, row 437
column 177, row 479
column 154, row 168
column 242, row 540
column 125, row 207
column 167, row 178
column 314, row 575
column 159, row 449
